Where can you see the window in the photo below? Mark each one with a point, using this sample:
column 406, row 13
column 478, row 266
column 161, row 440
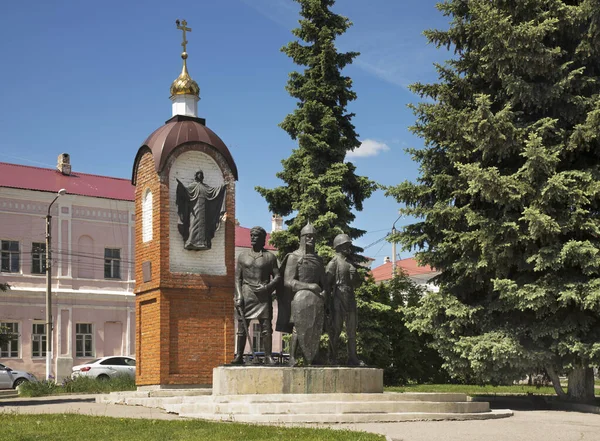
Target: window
column 84, row 340
column 112, row 263
column 118, row 361
column 11, row 348
column 38, row 258
column 10, row 256
column 257, row 341
column 38, row 340
column 113, row 361
column 147, row 217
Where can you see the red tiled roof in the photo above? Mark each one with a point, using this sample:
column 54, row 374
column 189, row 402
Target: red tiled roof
column 242, row 239
column 46, row 179
column 409, row 265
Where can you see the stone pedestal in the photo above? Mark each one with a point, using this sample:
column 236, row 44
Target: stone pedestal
column 249, row 380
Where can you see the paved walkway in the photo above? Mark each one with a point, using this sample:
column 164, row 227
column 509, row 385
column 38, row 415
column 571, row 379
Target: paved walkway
column 523, row 426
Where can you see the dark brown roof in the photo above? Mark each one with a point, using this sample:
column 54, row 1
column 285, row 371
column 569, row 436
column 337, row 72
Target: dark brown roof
column 177, row 131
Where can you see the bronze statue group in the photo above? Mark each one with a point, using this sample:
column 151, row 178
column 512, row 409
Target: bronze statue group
column 311, row 298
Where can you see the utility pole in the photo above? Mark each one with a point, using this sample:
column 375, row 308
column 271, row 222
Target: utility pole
column 394, row 231
column 393, row 253
column 49, row 357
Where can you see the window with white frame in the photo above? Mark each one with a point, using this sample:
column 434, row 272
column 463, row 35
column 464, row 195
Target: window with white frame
column 38, row 340
column 84, row 340
column 11, row 348
column 38, row 258
column 258, row 344
column 112, row 263
column 147, row 217
column 10, row 256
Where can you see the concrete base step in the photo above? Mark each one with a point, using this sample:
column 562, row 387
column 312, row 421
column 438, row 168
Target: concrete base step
column 351, row 417
column 323, row 407
column 152, row 398
column 311, row 398
column 314, row 408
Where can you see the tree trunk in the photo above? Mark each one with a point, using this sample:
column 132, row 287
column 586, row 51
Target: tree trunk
column 556, row 383
column 581, row 385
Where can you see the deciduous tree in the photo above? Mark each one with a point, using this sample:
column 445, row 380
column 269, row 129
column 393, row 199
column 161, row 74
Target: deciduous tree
column 383, row 338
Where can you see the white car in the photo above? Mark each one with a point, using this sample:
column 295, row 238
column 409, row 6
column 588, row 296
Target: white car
column 10, row 378
column 106, row 367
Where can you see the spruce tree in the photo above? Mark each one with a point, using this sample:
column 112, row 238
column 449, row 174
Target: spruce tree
column 319, row 186
column 508, row 196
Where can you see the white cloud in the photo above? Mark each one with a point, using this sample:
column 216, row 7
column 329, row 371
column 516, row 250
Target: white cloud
column 397, row 55
column 282, row 12
column 369, row 147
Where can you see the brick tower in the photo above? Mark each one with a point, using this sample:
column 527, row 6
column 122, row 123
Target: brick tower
column 184, row 294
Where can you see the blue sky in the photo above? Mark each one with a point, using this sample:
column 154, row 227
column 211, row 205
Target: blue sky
column 92, row 79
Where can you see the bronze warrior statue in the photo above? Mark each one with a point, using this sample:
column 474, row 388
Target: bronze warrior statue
column 342, row 278
column 301, row 305
column 200, row 208
column 256, row 276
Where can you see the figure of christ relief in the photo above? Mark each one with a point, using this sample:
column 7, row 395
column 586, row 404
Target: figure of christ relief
column 200, row 208
column 256, row 276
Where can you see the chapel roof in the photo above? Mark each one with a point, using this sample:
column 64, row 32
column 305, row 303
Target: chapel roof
column 176, row 132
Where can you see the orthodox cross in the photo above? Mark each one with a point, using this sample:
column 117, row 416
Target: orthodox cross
column 183, row 27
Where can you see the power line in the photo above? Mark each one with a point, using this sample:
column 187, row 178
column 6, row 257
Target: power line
column 377, row 241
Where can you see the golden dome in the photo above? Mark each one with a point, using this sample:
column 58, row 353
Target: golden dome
column 183, row 84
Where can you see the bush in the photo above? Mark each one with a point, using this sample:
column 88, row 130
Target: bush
column 37, row 389
column 385, row 342
column 95, row 386
column 83, row 385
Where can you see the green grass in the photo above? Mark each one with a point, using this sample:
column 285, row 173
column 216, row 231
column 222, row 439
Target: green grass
column 84, row 385
column 73, row 427
column 474, row 390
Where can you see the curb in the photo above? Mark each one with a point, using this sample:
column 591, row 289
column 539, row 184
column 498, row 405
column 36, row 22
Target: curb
column 8, row 393
column 534, row 402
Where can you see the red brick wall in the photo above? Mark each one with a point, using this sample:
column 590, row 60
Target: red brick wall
column 184, row 322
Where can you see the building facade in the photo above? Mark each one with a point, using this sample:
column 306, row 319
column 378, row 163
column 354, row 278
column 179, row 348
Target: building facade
column 92, row 254
column 93, row 237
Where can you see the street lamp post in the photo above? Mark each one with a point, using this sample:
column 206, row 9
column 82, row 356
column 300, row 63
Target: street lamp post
column 61, row 192
column 394, row 247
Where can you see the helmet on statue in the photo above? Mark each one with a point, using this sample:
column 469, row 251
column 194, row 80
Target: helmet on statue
column 341, row 239
column 308, row 229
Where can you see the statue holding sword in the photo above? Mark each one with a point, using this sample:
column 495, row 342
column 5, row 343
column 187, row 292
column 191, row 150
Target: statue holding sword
column 256, row 276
